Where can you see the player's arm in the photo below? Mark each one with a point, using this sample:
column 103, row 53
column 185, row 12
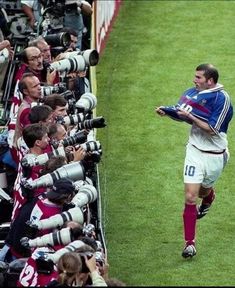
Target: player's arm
column 200, row 123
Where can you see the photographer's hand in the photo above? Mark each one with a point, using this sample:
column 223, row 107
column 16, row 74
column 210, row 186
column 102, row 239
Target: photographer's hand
column 86, row 8
column 32, row 22
column 59, row 57
column 91, row 263
column 78, row 154
column 51, row 77
column 6, row 44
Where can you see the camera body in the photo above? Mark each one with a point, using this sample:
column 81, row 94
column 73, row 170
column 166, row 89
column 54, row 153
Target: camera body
column 72, row 119
column 31, row 160
column 78, row 138
column 55, row 7
column 58, row 88
column 15, row 19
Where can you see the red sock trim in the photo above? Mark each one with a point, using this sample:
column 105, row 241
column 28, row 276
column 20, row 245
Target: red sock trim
column 209, row 198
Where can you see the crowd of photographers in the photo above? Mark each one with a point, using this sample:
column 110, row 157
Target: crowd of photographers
column 54, row 237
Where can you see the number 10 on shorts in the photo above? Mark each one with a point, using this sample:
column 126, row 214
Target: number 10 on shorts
column 189, row 170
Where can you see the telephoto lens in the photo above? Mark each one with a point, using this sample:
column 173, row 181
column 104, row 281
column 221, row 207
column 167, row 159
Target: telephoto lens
column 75, row 64
column 74, row 171
column 86, row 194
column 59, row 39
column 78, row 184
column 90, row 146
column 87, row 102
column 31, row 160
column 73, row 246
column 78, row 138
column 91, row 56
column 58, row 220
column 57, row 88
column 73, row 119
column 98, row 122
column 61, row 237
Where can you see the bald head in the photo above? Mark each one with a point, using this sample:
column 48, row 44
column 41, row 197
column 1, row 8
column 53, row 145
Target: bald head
column 33, row 57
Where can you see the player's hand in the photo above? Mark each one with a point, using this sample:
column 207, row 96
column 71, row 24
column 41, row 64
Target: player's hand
column 159, row 111
column 183, row 112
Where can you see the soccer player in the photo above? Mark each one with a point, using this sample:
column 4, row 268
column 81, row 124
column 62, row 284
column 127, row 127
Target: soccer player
column 207, row 107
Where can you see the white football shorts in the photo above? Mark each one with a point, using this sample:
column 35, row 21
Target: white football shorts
column 202, row 167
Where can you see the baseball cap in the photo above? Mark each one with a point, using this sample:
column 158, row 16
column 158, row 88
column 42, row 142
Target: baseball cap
column 61, row 189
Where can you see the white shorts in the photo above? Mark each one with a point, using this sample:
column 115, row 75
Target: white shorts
column 202, row 167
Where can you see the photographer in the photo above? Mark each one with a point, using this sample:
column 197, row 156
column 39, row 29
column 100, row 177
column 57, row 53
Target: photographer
column 51, row 77
column 58, row 104
column 32, row 9
column 30, row 88
column 43, row 272
column 77, row 81
column 74, row 17
column 33, row 59
column 41, row 114
column 57, row 133
column 43, row 46
column 36, row 138
column 70, row 271
column 73, row 36
column 39, row 276
column 38, row 208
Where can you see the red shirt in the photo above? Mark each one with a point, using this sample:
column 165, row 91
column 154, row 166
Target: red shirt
column 29, row 276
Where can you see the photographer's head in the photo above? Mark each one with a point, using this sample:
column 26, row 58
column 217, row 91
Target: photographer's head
column 53, row 163
column 62, row 191
column 41, row 114
column 57, row 132
column 74, row 267
column 73, row 36
column 33, row 58
column 69, row 269
column 42, row 45
column 30, row 86
column 58, row 103
column 35, row 136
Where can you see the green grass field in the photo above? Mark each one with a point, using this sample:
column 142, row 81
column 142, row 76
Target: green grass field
column 150, row 60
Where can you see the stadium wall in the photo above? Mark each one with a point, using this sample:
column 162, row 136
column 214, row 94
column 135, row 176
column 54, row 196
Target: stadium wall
column 103, row 17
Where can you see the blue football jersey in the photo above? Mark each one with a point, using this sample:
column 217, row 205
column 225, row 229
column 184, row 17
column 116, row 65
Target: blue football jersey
column 212, row 106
